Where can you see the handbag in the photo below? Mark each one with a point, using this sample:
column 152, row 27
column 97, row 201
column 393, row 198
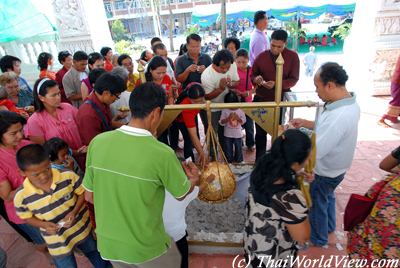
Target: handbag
column 360, row 206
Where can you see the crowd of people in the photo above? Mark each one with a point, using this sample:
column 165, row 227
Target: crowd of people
column 82, row 164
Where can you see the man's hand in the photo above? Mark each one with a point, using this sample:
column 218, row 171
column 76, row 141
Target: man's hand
column 192, row 172
column 223, row 83
column 192, row 68
column 82, row 150
column 51, row 228
column 120, row 116
column 308, row 177
column 67, row 220
column 259, row 80
column 201, row 68
column 298, row 122
column 269, row 84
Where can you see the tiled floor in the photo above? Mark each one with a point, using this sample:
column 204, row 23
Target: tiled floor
column 374, row 143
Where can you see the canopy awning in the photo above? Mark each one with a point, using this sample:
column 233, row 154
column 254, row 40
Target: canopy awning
column 19, row 19
column 283, row 10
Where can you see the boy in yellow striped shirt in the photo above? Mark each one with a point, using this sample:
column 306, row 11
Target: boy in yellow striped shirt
column 54, row 202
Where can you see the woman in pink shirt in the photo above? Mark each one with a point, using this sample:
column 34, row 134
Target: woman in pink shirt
column 11, row 139
column 53, row 118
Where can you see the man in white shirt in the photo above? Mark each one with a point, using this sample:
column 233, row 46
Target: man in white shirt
column 336, row 131
column 217, row 79
column 72, row 80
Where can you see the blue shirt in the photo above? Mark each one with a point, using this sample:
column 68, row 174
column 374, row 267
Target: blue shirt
column 25, row 98
column 23, row 85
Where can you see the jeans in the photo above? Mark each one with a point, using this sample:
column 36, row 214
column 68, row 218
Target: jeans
column 323, row 210
column 249, row 128
column 89, row 249
column 174, row 135
column 187, row 141
column 233, row 156
column 3, row 258
column 33, row 233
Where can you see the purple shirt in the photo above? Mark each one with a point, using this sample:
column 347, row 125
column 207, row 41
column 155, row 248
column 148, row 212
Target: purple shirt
column 232, row 129
column 259, row 42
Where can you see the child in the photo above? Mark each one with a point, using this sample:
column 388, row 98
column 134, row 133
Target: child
column 54, row 202
column 61, row 156
column 232, row 121
column 174, row 219
column 245, row 91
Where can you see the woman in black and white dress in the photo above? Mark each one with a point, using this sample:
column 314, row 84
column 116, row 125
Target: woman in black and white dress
column 276, row 208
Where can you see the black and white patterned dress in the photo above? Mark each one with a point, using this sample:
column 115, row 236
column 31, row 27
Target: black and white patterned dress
column 266, row 232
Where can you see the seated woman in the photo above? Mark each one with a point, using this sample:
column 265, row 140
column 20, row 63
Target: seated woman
column 378, row 236
column 53, row 118
column 45, row 61
column 186, row 121
column 11, row 140
column 21, row 98
column 276, row 209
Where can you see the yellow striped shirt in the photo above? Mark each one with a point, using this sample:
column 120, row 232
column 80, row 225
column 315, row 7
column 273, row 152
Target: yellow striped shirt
column 30, row 201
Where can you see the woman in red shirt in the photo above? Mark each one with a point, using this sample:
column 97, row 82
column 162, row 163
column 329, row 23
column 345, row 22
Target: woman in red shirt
column 193, row 94
column 45, row 60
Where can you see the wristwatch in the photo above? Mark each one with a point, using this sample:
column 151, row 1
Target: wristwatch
column 396, row 153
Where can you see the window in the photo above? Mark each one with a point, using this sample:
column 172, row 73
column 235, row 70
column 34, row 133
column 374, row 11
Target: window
column 120, row 4
column 108, row 6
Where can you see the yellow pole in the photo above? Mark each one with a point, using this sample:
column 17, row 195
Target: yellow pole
column 141, row 73
column 278, row 94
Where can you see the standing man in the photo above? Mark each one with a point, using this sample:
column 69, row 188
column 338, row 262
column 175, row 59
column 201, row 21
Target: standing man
column 217, row 80
column 191, row 65
column 310, row 61
column 127, row 173
column 73, row 78
column 336, row 131
column 264, row 74
column 259, row 41
column 65, row 59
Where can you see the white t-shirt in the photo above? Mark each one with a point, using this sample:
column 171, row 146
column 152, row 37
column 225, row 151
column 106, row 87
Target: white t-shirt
column 336, row 133
column 210, row 79
column 122, row 101
column 174, row 214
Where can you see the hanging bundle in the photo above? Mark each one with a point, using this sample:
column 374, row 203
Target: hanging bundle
column 309, row 167
column 224, row 184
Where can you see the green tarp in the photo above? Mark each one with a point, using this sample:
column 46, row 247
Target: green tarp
column 19, row 19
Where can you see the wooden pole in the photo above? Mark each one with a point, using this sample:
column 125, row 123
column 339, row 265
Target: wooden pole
column 278, row 94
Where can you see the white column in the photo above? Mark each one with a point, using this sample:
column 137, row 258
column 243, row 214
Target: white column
column 82, row 25
column 373, row 46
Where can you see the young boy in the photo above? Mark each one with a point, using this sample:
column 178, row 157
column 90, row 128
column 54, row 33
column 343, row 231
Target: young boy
column 54, row 202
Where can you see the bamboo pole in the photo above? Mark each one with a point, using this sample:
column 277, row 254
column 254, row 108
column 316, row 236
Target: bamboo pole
column 278, row 94
column 241, row 105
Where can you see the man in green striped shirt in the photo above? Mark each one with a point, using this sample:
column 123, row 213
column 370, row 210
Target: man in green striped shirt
column 127, row 172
